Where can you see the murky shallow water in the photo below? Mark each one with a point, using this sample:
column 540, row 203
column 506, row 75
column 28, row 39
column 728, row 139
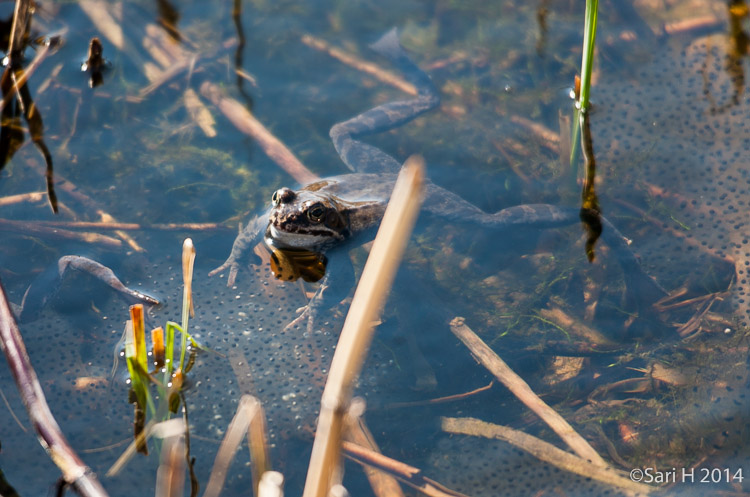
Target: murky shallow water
column 145, row 160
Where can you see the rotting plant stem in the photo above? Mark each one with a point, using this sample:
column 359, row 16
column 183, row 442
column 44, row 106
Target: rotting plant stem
column 74, row 471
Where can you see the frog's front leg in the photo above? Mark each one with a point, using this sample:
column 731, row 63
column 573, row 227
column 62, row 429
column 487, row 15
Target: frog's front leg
column 361, row 157
column 243, row 244
column 334, row 287
column 46, row 285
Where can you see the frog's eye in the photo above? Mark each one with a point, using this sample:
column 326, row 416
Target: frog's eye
column 275, row 198
column 316, row 213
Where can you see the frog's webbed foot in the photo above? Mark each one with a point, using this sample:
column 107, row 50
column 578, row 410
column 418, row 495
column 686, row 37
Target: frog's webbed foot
column 48, row 283
column 362, row 157
column 232, row 265
column 334, row 287
column 242, row 245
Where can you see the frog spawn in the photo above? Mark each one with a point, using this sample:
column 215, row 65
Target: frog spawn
column 250, row 353
column 679, row 125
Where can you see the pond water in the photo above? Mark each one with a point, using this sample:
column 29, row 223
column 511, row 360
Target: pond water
column 649, row 386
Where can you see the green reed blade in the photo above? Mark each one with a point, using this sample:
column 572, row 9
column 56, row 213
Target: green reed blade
column 587, row 63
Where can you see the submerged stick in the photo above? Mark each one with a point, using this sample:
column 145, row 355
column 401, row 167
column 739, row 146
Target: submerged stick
column 351, row 60
column 22, row 197
column 544, row 451
column 521, row 389
column 382, row 483
column 74, row 471
column 357, row 332
column 407, row 474
column 132, row 226
column 27, row 228
column 244, row 121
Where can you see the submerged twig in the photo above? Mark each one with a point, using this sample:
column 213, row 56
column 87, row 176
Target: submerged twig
column 407, row 474
column 244, row 121
column 30, row 228
column 131, row 226
column 521, row 389
column 22, row 197
column 544, row 451
column 441, row 400
column 74, row 471
column 382, row 483
column 357, row 332
column 361, row 65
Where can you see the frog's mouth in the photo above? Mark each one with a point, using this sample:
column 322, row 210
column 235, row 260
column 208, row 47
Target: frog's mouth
column 300, row 238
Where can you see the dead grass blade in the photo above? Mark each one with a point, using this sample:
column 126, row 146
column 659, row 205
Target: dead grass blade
column 356, row 334
column 521, row 389
column 546, row 452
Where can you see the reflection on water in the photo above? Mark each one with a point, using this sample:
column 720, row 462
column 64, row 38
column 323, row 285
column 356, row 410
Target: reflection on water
column 136, row 144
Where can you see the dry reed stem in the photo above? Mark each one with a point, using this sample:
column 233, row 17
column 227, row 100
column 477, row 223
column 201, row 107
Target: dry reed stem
column 357, row 331
column 170, row 476
column 544, row 451
column 407, row 474
column 74, row 471
column 521, row 389
column 383, row 484
column 361, row 65
column 257, row 440
column 244, row 121
column 30, row 228
column 232, row 438
column 22, row 197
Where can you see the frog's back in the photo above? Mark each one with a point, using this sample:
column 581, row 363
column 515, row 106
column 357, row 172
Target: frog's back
column 357, row 187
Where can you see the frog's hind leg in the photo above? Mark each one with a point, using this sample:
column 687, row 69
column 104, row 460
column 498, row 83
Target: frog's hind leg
column 364, row 158
column 639, row 285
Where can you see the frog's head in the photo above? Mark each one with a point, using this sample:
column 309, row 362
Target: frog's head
column 305, row 219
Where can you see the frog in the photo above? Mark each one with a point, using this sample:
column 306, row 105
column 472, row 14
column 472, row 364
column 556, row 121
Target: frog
column 332, row 214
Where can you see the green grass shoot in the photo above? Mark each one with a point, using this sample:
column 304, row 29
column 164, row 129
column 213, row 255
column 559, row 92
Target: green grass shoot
column 587, row 62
